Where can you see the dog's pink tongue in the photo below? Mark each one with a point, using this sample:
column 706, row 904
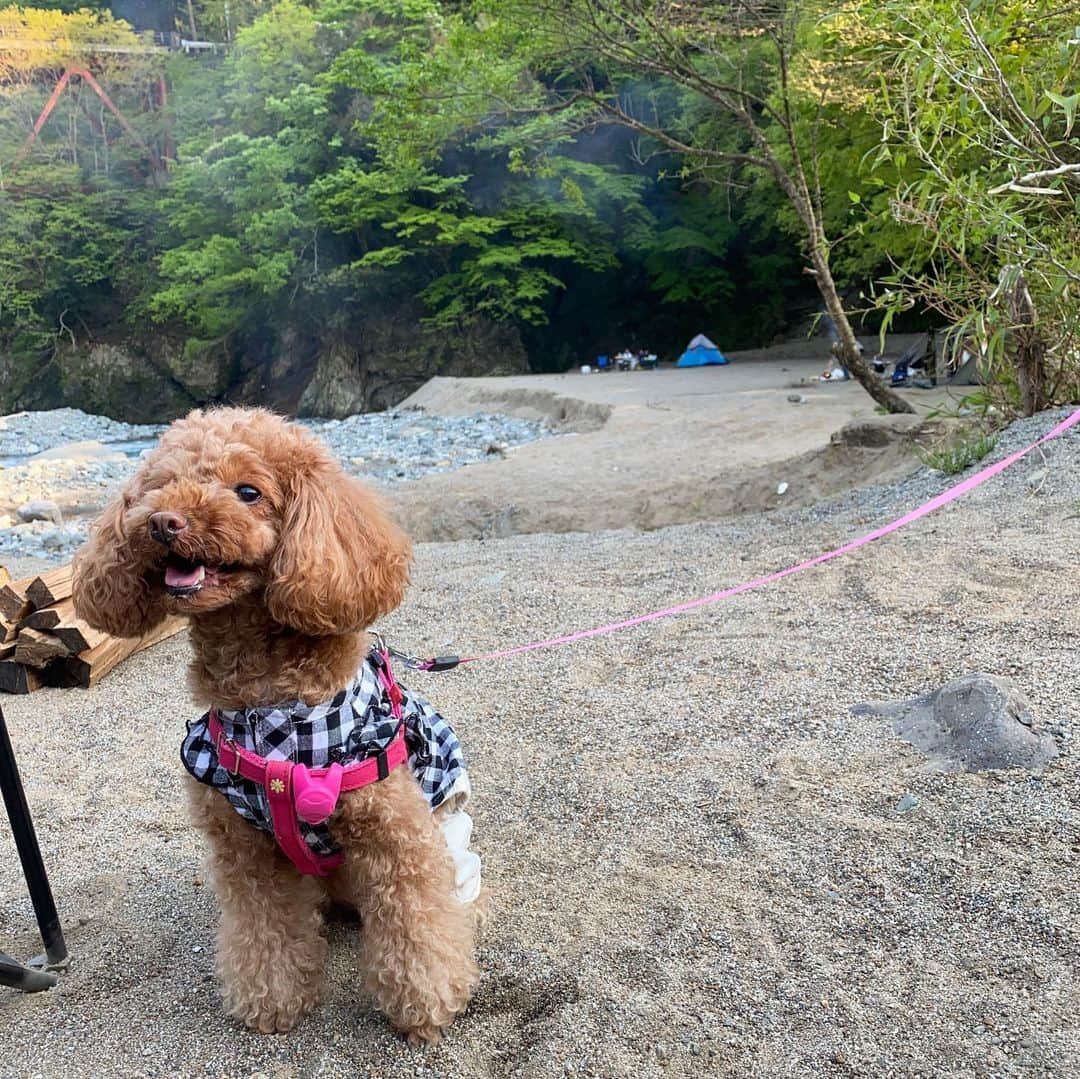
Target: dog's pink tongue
column 184, row 578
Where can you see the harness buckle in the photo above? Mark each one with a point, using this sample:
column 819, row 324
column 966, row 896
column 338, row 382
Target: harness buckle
column 224, row 739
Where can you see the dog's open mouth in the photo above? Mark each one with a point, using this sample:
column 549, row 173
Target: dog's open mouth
column 184, row 577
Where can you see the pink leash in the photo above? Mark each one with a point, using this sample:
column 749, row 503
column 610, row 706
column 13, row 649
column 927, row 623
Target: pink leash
column 445, row 663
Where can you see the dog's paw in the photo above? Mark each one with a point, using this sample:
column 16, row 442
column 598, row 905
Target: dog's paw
column 423, row 1012
column 423, row 1036
column 269, row 1018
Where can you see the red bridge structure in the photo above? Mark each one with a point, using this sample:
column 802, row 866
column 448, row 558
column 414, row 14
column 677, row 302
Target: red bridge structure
column 70, row 63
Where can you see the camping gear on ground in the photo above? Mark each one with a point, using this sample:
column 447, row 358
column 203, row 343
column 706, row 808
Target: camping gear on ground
column 603, row 363
column 919, row 355
column 914, row 352
column 700, row 353
column 37, row 974
column 967, row 374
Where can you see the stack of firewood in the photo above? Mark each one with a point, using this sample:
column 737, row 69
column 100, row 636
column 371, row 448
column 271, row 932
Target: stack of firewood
column 43, row 643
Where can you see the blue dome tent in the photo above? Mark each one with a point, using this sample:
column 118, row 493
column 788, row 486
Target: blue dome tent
column 699, row 352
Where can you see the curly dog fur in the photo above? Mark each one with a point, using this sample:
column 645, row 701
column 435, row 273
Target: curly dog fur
column 296, row 576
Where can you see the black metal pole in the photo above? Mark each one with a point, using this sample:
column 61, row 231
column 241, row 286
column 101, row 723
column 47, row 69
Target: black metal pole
column 27, row 979
column 22, row 827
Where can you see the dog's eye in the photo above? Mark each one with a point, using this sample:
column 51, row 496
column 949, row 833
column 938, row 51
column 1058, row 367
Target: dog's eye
column 248, row 493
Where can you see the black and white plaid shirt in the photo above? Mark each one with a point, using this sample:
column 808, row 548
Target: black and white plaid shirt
column 357, row 723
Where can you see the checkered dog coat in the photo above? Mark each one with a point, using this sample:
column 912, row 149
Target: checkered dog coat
column 357, row 723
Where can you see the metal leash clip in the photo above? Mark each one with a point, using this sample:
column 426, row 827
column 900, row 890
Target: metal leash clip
column 414, row 663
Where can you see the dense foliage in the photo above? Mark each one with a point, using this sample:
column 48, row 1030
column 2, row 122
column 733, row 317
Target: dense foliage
column 593, row 174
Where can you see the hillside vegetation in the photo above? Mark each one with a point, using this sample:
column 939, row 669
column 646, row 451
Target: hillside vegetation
column 348, row 196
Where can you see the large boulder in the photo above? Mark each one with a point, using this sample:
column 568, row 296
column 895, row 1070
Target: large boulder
column 128, row 380
column 975, row 723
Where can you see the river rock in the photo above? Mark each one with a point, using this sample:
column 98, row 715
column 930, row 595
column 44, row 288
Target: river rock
column 89, row 450
column 41, row 510
column 975, row 723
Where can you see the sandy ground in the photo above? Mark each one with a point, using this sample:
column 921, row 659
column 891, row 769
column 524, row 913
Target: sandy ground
column 647, row 449
column 697, row 854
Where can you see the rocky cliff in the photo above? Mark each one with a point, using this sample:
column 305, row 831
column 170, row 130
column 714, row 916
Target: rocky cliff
column 154, row 377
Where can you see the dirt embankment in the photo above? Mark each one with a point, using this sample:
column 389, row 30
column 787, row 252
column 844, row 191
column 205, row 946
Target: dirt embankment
column 645, row 450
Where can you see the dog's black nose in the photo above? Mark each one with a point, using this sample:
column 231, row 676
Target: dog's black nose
column 166, row 526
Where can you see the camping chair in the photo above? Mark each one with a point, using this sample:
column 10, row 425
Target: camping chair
column 603, row 363
column 37, row 974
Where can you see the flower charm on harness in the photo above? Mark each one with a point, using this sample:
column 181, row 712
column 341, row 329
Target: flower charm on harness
column 277, row 786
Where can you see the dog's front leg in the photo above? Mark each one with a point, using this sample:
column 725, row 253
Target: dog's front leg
column 418, row 937
column 271, row 953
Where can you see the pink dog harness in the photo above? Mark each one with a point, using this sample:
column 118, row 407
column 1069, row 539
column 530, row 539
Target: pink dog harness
column 297, row 793
column 294, row 790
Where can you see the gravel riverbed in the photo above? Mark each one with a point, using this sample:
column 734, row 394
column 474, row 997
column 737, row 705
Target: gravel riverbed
column 382, row 447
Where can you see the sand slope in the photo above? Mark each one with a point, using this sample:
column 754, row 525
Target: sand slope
column 653, row 448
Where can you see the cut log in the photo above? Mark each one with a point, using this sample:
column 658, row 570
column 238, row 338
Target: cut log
column 90, row 667
column 34, row 648
column 7, row 650
column 13, row 602
column 15, row 678
column 50, row 617
column 78, row 636
column 5, row 577
column 50, row 587
column 7, row 631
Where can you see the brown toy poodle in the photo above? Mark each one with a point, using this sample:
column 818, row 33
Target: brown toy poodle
column 245, row 524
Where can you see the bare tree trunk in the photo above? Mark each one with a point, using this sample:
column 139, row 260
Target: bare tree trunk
column 797, row 190
column 849, row 348
column 1030, row 348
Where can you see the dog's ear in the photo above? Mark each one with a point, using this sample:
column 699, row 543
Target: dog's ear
column 111, row 588
column 340, row 562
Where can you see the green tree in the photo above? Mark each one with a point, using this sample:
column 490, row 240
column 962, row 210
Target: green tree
column 489, row 227
column 712, row 84
column 976, row 104
column 238, row 220
column 66, row 256
column 292, row 163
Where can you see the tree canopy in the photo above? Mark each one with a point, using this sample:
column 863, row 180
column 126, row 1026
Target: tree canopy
column 590, row 173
